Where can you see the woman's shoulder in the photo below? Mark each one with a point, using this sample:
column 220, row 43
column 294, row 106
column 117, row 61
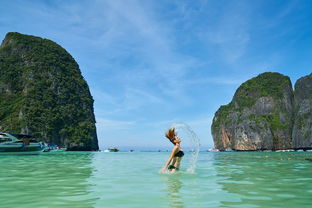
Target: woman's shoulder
column 176, row 147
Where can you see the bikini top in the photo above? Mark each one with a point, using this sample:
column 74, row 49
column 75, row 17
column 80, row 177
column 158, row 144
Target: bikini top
column 179, row 154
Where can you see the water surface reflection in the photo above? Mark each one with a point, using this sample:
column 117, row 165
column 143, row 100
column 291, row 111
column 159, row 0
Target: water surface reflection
column 174, row 185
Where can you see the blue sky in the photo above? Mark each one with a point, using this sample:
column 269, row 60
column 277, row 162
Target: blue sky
column 152, row 63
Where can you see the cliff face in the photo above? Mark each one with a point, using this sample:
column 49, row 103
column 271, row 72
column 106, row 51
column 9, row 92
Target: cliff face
column 44, row 94
column 258, row 118
column 302, row 131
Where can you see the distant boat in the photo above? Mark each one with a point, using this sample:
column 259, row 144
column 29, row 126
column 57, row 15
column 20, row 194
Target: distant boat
column 53, row 148
column 111, row 150
column 212, row 150
column 287, row 150
column 23, row 143
column 48, row 149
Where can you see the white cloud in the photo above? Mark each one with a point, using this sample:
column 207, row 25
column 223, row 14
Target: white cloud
column 109, row 125
column 142, row 55
column 229, row 34
column 216, row 80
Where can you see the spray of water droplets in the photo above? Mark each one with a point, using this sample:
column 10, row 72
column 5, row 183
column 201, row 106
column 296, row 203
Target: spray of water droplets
column 189, row 138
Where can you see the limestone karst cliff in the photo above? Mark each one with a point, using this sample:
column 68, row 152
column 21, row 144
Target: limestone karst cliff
column 44, row 94
column 302, row 130
column 260, row 116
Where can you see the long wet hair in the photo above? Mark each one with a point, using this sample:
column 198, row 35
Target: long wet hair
column 170, row 134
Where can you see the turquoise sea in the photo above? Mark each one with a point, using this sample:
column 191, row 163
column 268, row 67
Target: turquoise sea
column 132, row 179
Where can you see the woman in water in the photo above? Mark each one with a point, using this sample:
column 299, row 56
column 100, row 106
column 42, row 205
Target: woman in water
column 176, row 154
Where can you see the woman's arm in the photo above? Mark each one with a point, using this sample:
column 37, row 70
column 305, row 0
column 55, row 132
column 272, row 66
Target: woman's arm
column 174, row 151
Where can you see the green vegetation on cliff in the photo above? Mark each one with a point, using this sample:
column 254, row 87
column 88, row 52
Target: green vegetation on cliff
column 266, row 84
column 43, row 93
column 260, row 108
column 221, row 116
column 272, row 119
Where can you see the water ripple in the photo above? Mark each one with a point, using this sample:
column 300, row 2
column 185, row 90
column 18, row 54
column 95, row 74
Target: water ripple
column 125, row 180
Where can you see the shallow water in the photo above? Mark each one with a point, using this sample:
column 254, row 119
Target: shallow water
column 85, row 179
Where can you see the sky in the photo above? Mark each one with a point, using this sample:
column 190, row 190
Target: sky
column 150, row 64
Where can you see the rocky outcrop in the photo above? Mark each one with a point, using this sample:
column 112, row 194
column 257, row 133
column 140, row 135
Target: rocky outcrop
column 44, row 94
column 302, row 130
column 260, row 116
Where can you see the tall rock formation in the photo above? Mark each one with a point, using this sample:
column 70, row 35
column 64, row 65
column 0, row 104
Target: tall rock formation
column 302, row 131
column 259, row 117
column 44, row 94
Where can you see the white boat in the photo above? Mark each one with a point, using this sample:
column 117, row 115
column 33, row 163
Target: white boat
column 111, row 150
column 19, row 143
column 212, row 150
